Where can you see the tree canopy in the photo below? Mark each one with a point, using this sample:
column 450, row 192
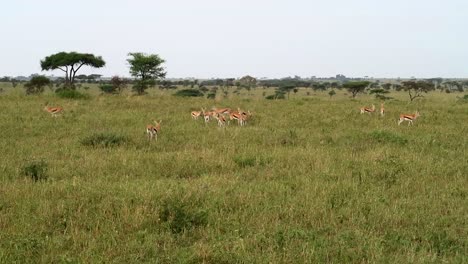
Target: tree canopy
column 248, row 82
column 71, row 63
column 147, row 68
column 356, row 87
column 416, row 89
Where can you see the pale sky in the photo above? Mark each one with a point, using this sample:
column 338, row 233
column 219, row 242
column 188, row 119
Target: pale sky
column 227, row 38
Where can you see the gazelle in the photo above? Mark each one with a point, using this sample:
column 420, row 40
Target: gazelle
column 244, row 117
column 367, row 109
column 240, row 116
column 382, row 109
column 221, row 110
column 221, row 120
column 207, row 115
column 234, row 116
column 195, row 114
column 409, row 118
column 153, row 131
column 53, row 110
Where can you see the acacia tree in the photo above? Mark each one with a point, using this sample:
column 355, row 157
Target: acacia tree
column 356, row 87
column 287, row 89
column 380, row 93
column 247, row 82
column 147, row 69
column 70, row 63
column 416, row 89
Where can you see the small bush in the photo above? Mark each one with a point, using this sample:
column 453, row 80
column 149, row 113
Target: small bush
column 463, row 99
column 36, row 85
column 211, row 96
column 387, row 137
column 276, row 96
column 37, row 170
column 71, row 94
column 104, row 140
column 250, row 161
column 289, row 139
column 181, row 216
column 245, row 161
column 108, row 89
column 189, row 93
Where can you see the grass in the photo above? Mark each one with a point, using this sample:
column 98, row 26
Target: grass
column 308, row 180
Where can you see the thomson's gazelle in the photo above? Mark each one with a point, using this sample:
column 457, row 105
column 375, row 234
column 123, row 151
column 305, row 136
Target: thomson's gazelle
column 409, row 118
column 367, row 109
column 153, row 131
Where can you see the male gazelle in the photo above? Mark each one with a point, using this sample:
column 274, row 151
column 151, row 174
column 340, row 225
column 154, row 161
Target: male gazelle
column 409, row 118
column 207, row 115
column 195, row 114
column 221, row 110
column 221, row 119
column 53, row 110
column 382, row 109
column 240, row 116
column 153, row 131
column 367, row 109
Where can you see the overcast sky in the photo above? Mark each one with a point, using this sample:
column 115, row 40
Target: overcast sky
column 227, row 38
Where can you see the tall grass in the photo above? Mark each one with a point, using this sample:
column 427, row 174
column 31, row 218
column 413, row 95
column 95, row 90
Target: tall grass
column 308, row 180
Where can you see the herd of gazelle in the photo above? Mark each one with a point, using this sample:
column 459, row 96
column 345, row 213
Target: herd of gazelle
column 403, row 117
column 241, row 116
column 221, row 115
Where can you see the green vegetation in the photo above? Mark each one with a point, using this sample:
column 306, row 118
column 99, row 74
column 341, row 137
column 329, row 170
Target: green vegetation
column 36, row 170
column 307, row 180
column 36, row 85
column 147, row 69
column 70, row 63
column 104, row 140
column 71, row 94
column 189, row 93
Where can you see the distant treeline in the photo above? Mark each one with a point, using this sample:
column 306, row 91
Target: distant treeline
column 248, row 82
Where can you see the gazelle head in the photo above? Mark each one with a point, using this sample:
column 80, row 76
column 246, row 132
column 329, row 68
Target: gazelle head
column 156, row 122
column 417, row 114
column 373, row 107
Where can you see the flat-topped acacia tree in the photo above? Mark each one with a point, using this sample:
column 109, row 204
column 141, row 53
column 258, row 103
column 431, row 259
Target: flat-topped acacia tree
column 356, row 87
column 71, row 63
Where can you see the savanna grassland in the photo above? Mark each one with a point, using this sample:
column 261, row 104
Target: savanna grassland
column 307, row 180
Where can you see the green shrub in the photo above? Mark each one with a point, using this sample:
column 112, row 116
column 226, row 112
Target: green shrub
column 289, row 139
column 188, row 93
column 181, row 216
column 36, row 85
column 211, row 96
column 104, row 140
column 37, row 170
column 277, row 95
column 245, row 161
column 382, row 136
column 71, row 94
column 108, row 88
column 251, row 161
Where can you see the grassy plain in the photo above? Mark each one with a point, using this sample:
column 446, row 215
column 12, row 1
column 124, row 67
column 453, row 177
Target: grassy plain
column 308, row 180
